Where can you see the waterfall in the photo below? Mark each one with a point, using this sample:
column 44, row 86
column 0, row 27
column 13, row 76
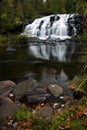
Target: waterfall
column 53, row 27
column 58, row 27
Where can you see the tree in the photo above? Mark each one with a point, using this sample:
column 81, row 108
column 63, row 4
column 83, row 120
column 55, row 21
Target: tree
column 55, row 6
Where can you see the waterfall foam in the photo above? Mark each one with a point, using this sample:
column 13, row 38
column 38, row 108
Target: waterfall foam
column 53, row 26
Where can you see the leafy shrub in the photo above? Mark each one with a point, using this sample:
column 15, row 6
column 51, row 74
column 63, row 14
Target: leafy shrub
column 18, row 39
column 3, row 40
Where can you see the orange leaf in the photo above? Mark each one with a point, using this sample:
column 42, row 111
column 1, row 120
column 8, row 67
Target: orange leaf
column 85, row 122
column 67, row 127
column 79, row 114
column 38, row 107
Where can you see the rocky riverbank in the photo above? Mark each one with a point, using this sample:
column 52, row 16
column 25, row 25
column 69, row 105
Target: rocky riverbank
column 26, row 106
column 35, row 96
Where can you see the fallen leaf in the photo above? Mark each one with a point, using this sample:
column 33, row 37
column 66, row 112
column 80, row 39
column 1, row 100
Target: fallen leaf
column 38, row 107
column 60, row 128
column 79, row 114
column 85, row 122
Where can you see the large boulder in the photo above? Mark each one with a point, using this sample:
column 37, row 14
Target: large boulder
column 31, row 91
column 7, row 108
column 6, row 86
column 21, row 89
column 36, row 93
column 55, row 90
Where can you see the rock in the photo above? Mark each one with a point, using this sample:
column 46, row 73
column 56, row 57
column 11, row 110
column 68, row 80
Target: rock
column 21, row 89
column 30, row 75
column 7, row 108
column 37, row 98
column 31, row 91
column 51, row 71
column 65, row 98
column 45, row 112
column 36, row 94
column 70, row 102
column 49, row 77
column 6, row 87
column 55, row 89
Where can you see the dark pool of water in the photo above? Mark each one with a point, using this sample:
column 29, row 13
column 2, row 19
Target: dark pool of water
column 17, row 64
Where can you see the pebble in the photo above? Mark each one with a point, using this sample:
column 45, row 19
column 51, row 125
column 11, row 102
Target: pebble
column 11, row 95
column 15, row 124
column 33, row 111
column 62, row 105
column 55, row 105
column 10, row 122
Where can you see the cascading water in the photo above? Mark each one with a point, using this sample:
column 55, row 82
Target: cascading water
column 54, row 27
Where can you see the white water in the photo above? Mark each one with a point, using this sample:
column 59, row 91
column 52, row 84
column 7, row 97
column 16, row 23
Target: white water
column 54, row 27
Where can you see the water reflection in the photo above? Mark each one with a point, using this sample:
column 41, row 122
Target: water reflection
column 17, row 64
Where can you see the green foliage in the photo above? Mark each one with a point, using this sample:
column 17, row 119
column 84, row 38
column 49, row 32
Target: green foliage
column 78, row 124
column 3, row 40
column 21, row 115
column 59, row 120
column 18, row 39
column 81, row 6
column 56, row 6
column 13, row 39
column 83, row 86
column 37, row 122
column 72, row 118
column 70, row 6
column 83, row 101
column 13, row 13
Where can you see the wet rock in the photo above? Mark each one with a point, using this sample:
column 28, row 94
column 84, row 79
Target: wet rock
column 6, row 87
column 46, row 112
column 30, row 91
column 37, row 98
column 10, row 49
column 49, row 77
column 55, row 90
column 51, row 71
column 31, row 75
column 36, row 94
column 70, row 102
column 21, row 89
column 7, row 108
column 65, row 98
